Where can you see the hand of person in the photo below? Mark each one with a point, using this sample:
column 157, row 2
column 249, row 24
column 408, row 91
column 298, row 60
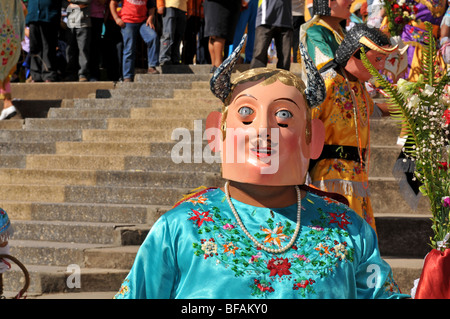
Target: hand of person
column 119, row 22
column 151, row 22
column 244, row 5
column 161, row 10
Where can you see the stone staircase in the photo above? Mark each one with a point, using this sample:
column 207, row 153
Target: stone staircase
column 84, row 184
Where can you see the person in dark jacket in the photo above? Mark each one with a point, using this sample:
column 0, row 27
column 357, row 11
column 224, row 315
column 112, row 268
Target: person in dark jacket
column 43, row 20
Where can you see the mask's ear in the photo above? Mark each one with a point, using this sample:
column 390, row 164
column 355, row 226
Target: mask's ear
column 317, row 138
column 213, row 131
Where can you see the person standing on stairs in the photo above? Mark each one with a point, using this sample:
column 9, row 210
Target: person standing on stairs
column 12, row 31
column 44, row 20
column 79, row 39
column 264, row 234
column 343, row 166
column 273, row 21
column 173, row 14
column 221, row 18
column 323, row 34
column 137, row 17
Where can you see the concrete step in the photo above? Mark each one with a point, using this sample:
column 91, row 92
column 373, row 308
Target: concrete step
column 387, row 199
column 66, row 232
column 166, row 163
column 123, row 86
column 145, row 124
column 382, row 160
column 47, row 176
column 51, row 253
column 32, row 193
column 163, row 92
column 128, row 214
column 126, row 136
column 384, row 132
column 193, row 93
column 16, row 148
column 75, row 162
column 124, row 195
column 143, row 102
column 108, row 103
column 64, row 124
column 54, row 279
column 103, row 148
column 180, row 77
column 11, row 124
column 403, row 235
column 88, row 113
column 57, row 90
column 54, row 176
column 33, row 136
column 119, row 257
column 12, row 161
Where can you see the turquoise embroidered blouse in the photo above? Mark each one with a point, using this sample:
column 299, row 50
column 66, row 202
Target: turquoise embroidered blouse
column 197, row 250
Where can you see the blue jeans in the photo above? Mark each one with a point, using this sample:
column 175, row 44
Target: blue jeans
column 247, row 19
column 130, row 36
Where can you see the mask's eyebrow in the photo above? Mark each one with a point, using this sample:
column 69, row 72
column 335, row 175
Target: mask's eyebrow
column 246, row 95
column 285, row 99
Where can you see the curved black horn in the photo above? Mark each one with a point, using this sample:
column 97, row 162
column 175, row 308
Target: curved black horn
column 220, row 82
column 315, row 87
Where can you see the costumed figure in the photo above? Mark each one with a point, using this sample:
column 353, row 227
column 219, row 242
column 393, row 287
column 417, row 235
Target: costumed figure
column 6, row 231
column 407, row 21
column 343, row 165
column 12, row 28
column 323, row 34
column 445, row 37
column 264, row 234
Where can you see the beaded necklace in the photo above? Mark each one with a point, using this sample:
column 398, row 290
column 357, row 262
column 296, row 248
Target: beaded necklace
column 253, row 239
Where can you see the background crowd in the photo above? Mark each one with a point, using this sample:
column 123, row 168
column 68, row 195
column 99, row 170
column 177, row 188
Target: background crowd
column 90, row 40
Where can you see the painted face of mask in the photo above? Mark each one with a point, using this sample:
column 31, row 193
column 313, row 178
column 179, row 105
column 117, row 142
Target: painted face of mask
column 269, row 137
column 356, row 67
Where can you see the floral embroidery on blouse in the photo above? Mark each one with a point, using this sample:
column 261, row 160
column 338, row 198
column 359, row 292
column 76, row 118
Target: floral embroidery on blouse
column 299, row 267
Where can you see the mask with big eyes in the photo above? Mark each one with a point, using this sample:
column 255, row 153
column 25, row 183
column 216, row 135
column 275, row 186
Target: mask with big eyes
column 267, row 126
column 247, row 115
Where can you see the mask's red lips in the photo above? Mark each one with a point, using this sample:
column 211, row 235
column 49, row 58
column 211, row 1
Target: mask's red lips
column 263, row 151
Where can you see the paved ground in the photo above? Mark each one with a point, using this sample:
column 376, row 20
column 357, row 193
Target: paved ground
column 79, row 295
column 74, row 295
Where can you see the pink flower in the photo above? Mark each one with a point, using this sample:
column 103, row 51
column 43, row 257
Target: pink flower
column 228, row 226
column 446, row 201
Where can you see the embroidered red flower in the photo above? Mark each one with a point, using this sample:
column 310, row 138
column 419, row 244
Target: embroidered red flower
column 279, row 266
column 200, row 217
column 340, row 219
column 303, row 284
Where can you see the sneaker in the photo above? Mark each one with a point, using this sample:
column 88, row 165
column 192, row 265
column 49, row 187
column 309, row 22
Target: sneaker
column 127, row 80
column 83, row 79
column 8, row 113
column 152, row 70
column 213, row 69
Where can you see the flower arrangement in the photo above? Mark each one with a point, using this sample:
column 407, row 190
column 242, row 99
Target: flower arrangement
column 398, row 14
column 423, row 109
